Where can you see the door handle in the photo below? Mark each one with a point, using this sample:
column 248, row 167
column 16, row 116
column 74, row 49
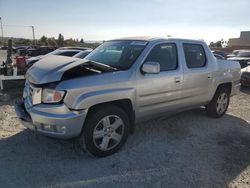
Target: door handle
column 209, row 76
column 177, row 80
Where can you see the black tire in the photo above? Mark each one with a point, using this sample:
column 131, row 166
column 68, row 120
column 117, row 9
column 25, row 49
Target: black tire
column 93, row 120
column 212, row 109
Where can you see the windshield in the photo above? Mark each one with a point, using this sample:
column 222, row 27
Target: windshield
column 243, row 54
column 118, row 54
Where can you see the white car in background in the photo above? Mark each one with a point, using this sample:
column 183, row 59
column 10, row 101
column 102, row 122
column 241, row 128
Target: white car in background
column 64, row 51
column 243, row 57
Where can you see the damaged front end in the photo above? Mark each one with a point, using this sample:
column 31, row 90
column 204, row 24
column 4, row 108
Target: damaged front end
column 42, row 107
column 47, row 114
column 55, row 68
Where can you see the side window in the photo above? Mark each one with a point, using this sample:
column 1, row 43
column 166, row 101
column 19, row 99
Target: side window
column 166, row 55
column 194, row 55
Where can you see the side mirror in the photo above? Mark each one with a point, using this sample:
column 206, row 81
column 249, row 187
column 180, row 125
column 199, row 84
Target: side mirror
column 151, row 67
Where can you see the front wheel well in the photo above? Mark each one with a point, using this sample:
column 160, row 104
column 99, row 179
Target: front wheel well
column 124, row 104
column 227, row 85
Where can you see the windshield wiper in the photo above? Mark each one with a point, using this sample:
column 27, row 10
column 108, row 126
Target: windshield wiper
column 102, row 66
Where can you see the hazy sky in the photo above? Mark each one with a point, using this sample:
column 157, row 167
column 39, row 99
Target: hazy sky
column 210, row 20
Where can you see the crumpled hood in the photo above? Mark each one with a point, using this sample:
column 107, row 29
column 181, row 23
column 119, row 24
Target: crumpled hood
column 51, row 68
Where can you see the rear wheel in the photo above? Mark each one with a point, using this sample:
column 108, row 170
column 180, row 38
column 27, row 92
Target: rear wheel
column 105, row 130
column 219, row 104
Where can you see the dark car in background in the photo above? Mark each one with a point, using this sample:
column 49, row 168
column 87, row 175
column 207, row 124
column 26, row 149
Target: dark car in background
column 233, row 54
column 219, row 56
column 41, row 50
column 19, row 48
column 34, row 51
column 14, row 49
column 243, row 57
column 220, row 53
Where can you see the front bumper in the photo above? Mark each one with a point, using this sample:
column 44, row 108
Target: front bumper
column 54, row 120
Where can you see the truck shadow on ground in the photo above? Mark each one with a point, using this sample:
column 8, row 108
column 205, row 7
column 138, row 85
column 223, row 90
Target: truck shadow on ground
column 185, row 150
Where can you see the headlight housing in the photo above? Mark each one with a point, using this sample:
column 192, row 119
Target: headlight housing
column 52, row 96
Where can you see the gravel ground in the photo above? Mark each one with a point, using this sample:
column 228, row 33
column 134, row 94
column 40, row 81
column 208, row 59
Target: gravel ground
column 185, row 150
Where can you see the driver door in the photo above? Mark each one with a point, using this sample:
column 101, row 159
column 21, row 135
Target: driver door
column 158, row 93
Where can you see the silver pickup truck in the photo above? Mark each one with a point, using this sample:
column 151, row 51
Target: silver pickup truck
column 100, row 99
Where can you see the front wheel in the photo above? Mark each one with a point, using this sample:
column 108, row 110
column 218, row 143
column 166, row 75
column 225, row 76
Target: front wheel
column 105, row 131
column 219, row 104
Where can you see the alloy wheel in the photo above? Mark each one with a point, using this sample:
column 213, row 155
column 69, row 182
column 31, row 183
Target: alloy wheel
column 108, row 132
column 222, row 102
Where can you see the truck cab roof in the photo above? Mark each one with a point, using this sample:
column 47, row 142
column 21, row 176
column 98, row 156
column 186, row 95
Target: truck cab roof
column 153, row 38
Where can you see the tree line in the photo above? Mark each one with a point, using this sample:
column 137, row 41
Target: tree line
column 219, row 44
column 51, row 41
column 59, row 41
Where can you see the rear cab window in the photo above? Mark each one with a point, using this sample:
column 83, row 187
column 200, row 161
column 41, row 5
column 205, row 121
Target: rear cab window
column 195, row 55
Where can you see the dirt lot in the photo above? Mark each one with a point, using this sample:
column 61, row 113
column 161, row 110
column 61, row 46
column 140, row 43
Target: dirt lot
column 186, row 150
